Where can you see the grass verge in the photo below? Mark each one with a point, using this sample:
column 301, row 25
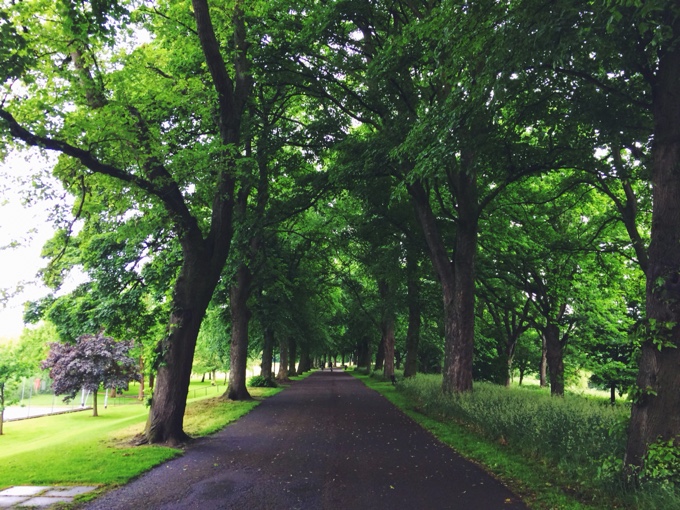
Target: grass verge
column 79, row 449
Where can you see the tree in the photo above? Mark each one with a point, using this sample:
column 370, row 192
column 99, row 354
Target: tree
column 11, row 369
column 656, row 412
column 157, row 125
column 93, row 361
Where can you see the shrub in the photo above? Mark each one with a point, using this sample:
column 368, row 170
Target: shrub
column 662, row 463
column 262, row 382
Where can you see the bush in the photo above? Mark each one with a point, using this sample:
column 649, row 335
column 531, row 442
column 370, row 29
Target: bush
column 262, row 382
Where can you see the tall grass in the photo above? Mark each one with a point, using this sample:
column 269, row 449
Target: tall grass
column 582, row 438
column 572, row 433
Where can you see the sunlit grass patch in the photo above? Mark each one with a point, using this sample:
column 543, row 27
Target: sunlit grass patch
column 80, row 449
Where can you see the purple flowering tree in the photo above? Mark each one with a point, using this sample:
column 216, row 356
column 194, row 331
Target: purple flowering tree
column 93, row 361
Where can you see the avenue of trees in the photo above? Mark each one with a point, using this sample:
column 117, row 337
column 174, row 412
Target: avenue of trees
column 480, row 189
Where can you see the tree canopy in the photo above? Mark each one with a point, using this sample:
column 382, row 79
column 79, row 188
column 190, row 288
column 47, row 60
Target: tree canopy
column 459, row 187
column 94, row 361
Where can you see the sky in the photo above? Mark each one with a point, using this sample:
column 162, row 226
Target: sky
column 29, row 227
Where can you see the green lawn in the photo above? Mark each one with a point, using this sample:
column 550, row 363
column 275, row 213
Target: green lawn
column 77, row 448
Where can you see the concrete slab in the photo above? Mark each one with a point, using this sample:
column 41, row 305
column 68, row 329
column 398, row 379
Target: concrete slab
column 10, row 501
column 69, row 491
column 40, row 497
column 41, row 501
column 23, row 490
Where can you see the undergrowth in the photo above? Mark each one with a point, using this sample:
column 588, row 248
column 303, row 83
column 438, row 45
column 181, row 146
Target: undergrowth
column 580, row 440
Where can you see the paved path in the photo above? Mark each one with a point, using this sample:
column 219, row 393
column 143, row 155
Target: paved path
column 326, row 442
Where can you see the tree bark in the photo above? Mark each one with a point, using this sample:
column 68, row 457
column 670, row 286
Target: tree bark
column 283, row 361
column 193, row 289
column 555, row 359
column 94, row 403
column 305, row 364
column 267, row 353
column 508, row 376
column 387, row 331
column 460, row 352
column 414, row 319
column 456, row 278
column 380, row 353
column 140, row 395
column 364, row 353
column 388, row 369
column 240, row 316
column 292, row 358
column 655, row 414
column 543, row 368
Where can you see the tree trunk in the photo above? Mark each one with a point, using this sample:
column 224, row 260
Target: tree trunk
column 543, row 368
column 292, row 358
column 555, row 358
column 94, row 403
column 508, row 376
column 510, row 347
column 364, row 353
column 388, row 370
column 240, row 316
column 387, row 331
column 656, row 412
column 193, row 290
column 380, row 354
column 612, row 394
column 283, row 360
column 140, row 395
column 459, row 355
column 152, row 380
column 414, row 320
column 305, row 359
column 267, row 353
column 457, row 279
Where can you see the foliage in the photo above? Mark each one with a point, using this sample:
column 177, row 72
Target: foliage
column 11, row 369
column 527, row 124
column 259, row 381
column 93, row 361
column 662, row 464
column 33, row 346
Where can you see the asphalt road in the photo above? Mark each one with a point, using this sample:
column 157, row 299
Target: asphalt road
column 326, row 442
